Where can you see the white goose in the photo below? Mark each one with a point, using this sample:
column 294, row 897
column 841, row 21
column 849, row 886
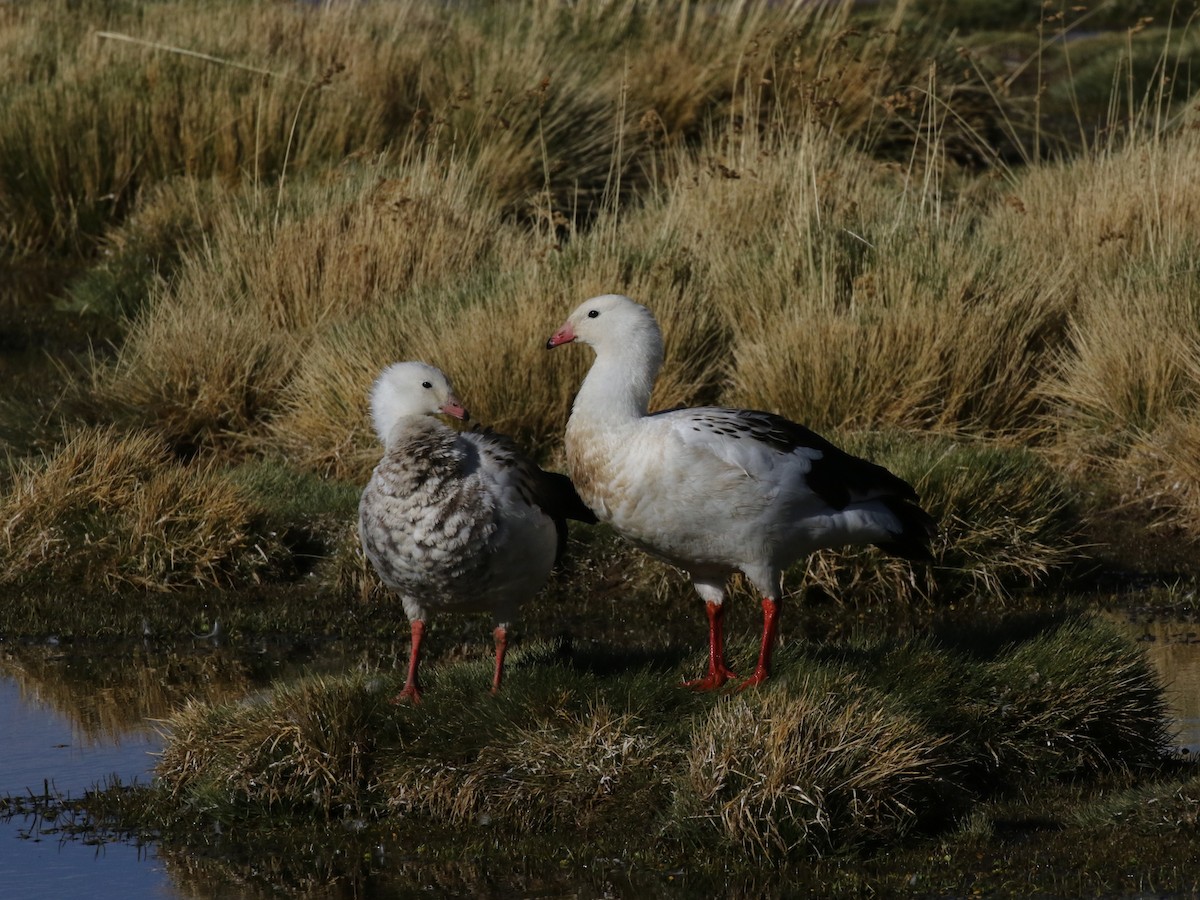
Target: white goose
column 715, row 490
column 456, row 521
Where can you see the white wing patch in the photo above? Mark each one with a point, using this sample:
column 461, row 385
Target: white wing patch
column 739, row 443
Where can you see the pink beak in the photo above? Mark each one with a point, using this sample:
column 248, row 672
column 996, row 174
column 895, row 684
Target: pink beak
column 564, row 335
column 453, row 408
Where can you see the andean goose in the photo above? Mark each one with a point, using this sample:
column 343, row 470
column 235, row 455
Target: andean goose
column 715, row 490
column 457, row 521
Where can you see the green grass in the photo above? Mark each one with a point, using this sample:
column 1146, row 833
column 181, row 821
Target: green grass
column 852, row 746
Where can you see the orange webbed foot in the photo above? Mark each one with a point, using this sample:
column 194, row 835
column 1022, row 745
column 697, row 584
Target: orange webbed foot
column 716, row 678
column 410, row 694
column 760, row 675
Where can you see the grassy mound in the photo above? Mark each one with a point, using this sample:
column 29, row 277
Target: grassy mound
column 852, row 745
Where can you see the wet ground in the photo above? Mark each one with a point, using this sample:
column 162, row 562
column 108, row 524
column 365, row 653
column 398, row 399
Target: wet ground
column 82, row 717
column 77, row 717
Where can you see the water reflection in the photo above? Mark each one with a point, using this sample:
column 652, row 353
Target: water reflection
column 1174, row 648
column 109, row 692
column 73, row 718
column 45, row 751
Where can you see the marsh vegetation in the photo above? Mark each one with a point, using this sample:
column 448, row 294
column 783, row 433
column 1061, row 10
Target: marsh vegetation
column 955, row 238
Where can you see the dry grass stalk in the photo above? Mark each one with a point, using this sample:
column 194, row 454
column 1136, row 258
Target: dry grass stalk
column 1168, row 464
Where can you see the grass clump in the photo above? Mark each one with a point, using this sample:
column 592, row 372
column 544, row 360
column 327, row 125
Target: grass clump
column 309, row 748
column 138, row 258
column 569, row 768
column 836, row 754
column 1069, row 702
column 1008, row 522
column 111, row 508
column 206, row 363
column 823, row 766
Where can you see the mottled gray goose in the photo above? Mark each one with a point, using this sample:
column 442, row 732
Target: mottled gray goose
column 713, row 490
column 456, row 521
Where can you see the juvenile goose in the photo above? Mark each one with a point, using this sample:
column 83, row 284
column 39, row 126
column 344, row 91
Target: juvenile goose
column 713, row 490
column 456, row 521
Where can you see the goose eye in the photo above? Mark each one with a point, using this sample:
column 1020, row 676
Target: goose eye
column 593, row 313
column 426, row 384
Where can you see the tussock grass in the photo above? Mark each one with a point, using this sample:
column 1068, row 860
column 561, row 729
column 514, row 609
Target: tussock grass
column 1069, row 702
column 139, row 257
column 112, row 509
column 825, row 766
column 1007, row 522
column 859, row 745
column 309, row 747
column 1162, row 473
column 1125, row 380
column 820, row 220
column 207, row 361
column 571, row 769
column 532, row 92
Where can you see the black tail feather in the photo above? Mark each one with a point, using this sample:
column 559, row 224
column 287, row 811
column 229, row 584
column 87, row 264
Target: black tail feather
column 919, row 530
column 558, row 497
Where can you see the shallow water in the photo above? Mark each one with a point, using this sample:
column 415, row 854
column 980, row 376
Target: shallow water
column 45, row 751
column 72, row 719
column 1174, row 648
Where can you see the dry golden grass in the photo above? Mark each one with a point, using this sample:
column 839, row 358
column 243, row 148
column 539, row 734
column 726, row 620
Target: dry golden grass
column 1161, row 474
column 310, row 746
column 206, row 361
column 1126, row 376
column 856, row 298
column 1131, row 366
column 560, row 105
column 111, row 509
column 446, row 183
column 823, row 767
column 558, row 772
column 488, row 332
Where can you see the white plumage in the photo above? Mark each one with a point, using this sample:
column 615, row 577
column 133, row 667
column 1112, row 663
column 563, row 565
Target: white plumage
column 714, row 490
column 455, row 521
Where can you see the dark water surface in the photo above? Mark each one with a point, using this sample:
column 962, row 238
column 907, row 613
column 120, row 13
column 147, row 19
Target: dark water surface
column 1174, row 648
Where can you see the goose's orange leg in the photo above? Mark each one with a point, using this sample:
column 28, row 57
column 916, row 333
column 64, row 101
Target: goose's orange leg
column 770, row 629
column 718, row 671
column 411, row 692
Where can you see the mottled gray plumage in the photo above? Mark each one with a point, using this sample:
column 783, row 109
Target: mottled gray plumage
column 455, row 521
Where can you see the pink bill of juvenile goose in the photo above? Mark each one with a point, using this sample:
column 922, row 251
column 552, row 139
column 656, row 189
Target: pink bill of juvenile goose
column 456, row 521
column 713, row 490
